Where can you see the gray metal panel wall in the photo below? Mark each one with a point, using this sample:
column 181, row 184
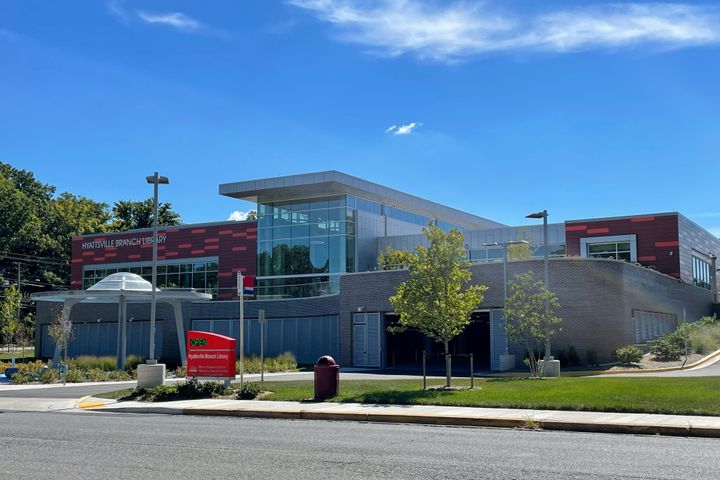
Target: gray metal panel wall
column 476, row 238
column 498, row 338
column 693, row 237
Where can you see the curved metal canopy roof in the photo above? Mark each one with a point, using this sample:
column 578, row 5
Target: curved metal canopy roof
column 108, row 290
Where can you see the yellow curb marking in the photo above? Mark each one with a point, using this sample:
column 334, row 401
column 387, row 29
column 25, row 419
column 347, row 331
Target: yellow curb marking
column 81, row 403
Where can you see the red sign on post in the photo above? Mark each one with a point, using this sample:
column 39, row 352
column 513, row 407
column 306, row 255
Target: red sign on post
column 210, row 355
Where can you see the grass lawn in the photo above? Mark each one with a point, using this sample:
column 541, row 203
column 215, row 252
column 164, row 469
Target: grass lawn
column 680, row 396
column 29, row 353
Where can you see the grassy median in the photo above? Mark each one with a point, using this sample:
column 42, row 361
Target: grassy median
column 680, row 396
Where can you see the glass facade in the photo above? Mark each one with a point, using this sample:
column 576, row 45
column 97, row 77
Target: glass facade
column 202, row 275
column 702, row 272
column 614, row 250
column 494, row 253
column 304, row 245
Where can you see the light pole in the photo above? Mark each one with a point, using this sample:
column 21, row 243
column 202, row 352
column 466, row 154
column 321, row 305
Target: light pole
column 156, row 180
column 544, row 215
column 505, row 260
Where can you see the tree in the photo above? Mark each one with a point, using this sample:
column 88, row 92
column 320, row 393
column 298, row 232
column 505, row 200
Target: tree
column 129, row 215
column 435, row 299
column 527, row 320
column 519, row 251
column 251, row 215
column 61, row 331
column 81, row 215
column 9, row 307
column 391, row 259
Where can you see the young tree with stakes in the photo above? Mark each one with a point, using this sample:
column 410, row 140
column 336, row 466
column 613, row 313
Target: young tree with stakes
column 435, row 299
column 527, row 321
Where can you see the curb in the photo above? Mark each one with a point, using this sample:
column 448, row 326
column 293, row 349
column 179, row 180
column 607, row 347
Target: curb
column 700, row 362
column 525, row 423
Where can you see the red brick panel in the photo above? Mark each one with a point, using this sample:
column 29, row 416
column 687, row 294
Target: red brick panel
column 234, row 243
column 656, row 235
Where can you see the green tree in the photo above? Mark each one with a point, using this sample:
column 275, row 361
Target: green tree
column 391, row 259
column 81, row 215
column 9, row 308
column 62, row 332
column 436, row 299
column 527, row 320
column 519, row 251
column 129, row 215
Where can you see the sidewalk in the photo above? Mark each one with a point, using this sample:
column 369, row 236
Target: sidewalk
column 629, row 423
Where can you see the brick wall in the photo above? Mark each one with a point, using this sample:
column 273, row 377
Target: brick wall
column 234, row 243
column 656, row 235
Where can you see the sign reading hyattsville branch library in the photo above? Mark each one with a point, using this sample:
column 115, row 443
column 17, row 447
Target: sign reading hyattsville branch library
column 210, row 355
column 121, row 242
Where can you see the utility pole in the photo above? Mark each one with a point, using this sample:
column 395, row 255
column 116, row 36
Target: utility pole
column 18, row 285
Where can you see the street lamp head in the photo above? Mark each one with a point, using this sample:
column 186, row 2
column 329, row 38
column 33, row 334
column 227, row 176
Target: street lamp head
column 160, row 180
column 517, row 242
column 492, row 244
column 542, row 214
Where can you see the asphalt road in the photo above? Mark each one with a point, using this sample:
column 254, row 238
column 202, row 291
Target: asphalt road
column 56, row 445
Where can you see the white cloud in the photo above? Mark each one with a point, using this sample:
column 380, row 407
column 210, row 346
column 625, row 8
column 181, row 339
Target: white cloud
column 403, row 129
column 176, row 20
column 238, row 216
column 458, row 30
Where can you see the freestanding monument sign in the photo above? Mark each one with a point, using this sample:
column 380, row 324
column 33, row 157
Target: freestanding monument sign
column 210, row 356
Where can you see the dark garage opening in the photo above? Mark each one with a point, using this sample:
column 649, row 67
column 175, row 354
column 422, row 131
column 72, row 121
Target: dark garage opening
column 403, row 350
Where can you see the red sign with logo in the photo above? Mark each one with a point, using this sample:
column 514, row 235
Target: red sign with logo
column 210, row 355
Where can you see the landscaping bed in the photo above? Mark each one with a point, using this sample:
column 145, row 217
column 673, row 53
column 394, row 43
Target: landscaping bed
column 678, row 396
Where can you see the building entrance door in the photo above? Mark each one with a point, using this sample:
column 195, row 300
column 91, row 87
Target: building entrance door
column 366, row 340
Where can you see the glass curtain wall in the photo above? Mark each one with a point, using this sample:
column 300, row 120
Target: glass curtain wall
column 304, row 245
column 202, row 275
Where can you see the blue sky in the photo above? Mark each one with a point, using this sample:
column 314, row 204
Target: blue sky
column 498, row 108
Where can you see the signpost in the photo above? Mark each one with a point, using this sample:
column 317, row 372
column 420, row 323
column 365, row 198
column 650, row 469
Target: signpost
column 210, row 356
column 261, row 319
column 245, row 286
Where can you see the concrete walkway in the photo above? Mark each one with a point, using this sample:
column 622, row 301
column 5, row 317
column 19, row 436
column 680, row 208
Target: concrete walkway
column 630, row 423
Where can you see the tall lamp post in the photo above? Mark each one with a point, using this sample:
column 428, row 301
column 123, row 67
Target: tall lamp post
column 505, row 260
column 156, row 180
column 544, row 215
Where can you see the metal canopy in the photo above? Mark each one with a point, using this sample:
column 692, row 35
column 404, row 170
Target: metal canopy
column 121, row 288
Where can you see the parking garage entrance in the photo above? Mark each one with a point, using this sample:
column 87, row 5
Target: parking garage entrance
column 404, row 350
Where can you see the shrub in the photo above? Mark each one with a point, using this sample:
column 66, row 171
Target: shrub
column 74, row 375
column 592, row 357
column 195, row 389
column 249, row 391
column 31, row 368
column 118, row 375
column 97, row 375
column 22, row 377
column 132, row 362
column 573, row 357
column 50, row 375
column 179, row 372
column 668, row 347
column 162, row 393
column 282, row 363
column 562, row 356
column 87, row 362
column 705, row 339
column 628, row 354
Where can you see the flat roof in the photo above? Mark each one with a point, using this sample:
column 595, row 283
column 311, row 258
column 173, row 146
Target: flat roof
column 623, row 217
column 162, row 229
column 331, row 182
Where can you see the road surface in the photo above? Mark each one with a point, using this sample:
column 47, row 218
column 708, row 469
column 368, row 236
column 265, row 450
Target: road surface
column 57, row 445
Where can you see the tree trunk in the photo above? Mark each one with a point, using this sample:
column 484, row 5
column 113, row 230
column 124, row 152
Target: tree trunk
column 448, row 365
